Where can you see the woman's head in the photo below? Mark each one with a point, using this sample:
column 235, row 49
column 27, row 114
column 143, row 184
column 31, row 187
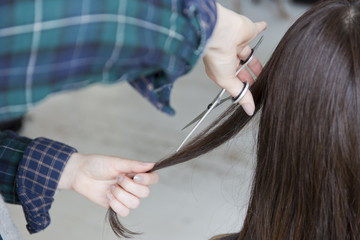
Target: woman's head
column 307, row 179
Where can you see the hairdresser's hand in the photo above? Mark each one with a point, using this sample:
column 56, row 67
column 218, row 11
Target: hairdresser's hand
column 108, row 181
column 228, row 44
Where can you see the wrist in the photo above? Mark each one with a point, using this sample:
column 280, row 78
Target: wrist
column 70, row 172
column 232, row 30
column 227, row 20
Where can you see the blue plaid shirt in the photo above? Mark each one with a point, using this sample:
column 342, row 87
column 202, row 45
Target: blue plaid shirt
column 57, row 45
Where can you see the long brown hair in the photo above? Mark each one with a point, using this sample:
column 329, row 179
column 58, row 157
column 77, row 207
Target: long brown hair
column 307, row 178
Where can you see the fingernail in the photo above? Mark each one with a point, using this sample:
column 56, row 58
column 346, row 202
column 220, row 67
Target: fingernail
column 112, row 188
column 119, row 178
column 248, row 108
column 109, row 196
column 138, row 178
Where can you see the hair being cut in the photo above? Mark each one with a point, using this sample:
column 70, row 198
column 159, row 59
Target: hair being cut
column 307, row 179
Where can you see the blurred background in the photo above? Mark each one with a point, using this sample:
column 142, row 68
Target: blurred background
column 192, row 201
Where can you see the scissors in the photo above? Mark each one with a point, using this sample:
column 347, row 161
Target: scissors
column 217, row 100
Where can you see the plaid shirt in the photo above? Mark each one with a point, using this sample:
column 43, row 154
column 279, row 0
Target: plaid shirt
column 29, row 174
column 56, row 45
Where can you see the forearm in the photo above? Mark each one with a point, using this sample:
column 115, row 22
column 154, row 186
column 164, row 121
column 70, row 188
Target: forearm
column 72, row 168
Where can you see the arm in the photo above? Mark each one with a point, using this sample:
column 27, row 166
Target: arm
column 150, row 44
column 174, row 55
column 32, row 170
column 37, row 177
column 177, row 34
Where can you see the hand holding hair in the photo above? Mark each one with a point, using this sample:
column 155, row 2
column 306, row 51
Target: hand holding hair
column 105, row 180
column 228, row 45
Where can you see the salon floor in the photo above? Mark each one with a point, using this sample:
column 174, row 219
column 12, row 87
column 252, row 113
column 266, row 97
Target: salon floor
column 192, row 201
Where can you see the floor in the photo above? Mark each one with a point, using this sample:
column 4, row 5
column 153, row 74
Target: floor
column 192, row 201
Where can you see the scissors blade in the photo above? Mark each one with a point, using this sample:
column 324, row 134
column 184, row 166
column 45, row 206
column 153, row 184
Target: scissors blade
column 258, row 43
column 195, row 119
column 216, row 99
column 213, row 105
column 204, row 112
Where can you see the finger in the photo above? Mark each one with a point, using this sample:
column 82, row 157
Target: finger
column 138, row 190
column 253, row 30
column 244, row 52
column 146, row 178
column 253, row 63
column 117, row 206
column 255, row 66
column 132, row 166
column 260, row 27
column 247, row 102
column 245, row 76
column 131, row 175
column 127, row 199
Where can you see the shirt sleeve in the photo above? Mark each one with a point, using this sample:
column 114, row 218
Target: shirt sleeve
column 12, row 148
column 37, row 179
column 191, row 26
column 148, row 43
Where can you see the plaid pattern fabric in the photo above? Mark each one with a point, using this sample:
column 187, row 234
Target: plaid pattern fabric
column 55, row 45
column 37, row 179
column 12, row 148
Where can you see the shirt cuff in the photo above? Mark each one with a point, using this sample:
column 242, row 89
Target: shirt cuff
column 37, row 179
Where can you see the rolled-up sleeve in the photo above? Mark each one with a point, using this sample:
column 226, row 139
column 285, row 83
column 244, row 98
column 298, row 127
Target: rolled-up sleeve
column 37, row 179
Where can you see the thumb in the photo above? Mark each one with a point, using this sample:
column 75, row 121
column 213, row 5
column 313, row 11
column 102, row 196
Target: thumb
column 260, row 26
column 132, row 166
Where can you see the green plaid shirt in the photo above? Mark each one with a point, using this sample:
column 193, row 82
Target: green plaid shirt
column 12, row 149
column 56, row 45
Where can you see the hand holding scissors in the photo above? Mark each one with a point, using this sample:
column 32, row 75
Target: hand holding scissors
column 229, row 45
column 219, row 100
